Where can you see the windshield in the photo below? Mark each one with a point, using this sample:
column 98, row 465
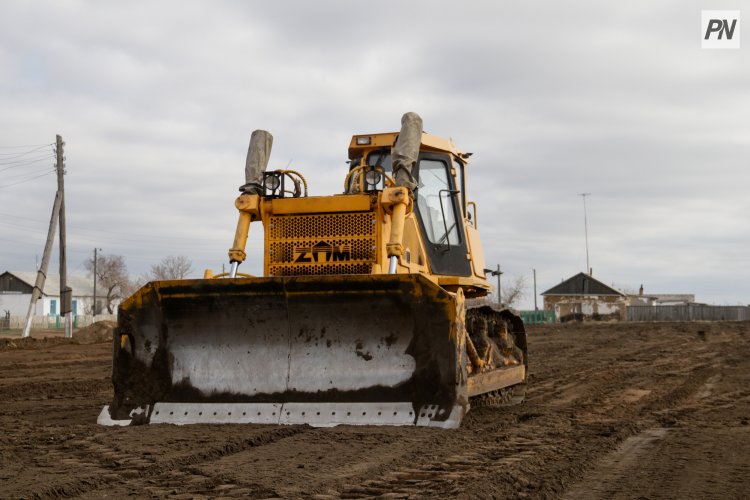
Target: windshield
column 436, row 204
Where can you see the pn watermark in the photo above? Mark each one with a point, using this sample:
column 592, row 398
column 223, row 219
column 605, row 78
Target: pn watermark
column 720, row 29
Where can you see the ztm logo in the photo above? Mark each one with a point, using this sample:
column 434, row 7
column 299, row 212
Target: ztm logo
column 322, row 252
column 720, row 29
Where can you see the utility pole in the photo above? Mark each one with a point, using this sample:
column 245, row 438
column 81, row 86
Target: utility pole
column 95, row 259
column 535, row 307
column 497, row 273
column 41, row 275
column 586, row 230
column 65, row 292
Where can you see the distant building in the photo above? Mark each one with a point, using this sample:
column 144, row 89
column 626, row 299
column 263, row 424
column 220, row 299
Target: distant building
column 673, row 299
column 583, row 297
column 661, row 299
column 16, row 288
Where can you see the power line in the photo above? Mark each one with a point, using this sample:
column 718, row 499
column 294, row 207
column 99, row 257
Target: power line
column 27, row 164
column 164, row 244
column 26, row 146
column 17, row 241
column 5, row 158
column 19, row 162
column 20, row 154
column 26, row 174
column 26, row 156
column 18, row 226
column 27, row 180
column 24, row 163
column 24, row 218
column 16, row 154
column 125, row 236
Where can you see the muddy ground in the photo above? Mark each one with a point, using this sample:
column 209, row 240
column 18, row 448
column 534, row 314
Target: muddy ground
column 613, row 411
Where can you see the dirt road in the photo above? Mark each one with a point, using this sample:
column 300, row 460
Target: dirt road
column 613, row 411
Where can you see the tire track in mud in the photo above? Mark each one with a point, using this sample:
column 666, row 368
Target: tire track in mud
column 690, row 402
column 442, row 477
column 173, row 476
column 501, row 446
column 325, row 461
column 608, row 479
column 57, row 463
column 97, row 464
column 55, row 364
column 498, row 455
column 605, row 411
column 62, row 389
column 594, row 392
column 613, row 475
column 569, row 381
column 600, row 404
column 610, row 403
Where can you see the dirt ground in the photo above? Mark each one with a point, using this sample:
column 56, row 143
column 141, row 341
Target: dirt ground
column 613, row 411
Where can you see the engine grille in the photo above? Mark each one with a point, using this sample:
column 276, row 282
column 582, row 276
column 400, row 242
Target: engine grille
column 316, row 244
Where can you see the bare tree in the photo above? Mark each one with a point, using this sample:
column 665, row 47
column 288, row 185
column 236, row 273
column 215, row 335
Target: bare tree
column 514, row 291
column 171, row 268
column 111, row 276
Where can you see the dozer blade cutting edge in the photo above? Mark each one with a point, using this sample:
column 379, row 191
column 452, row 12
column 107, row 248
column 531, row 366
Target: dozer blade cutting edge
column 320, row 350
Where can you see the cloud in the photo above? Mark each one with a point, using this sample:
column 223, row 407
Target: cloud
column 157, row 102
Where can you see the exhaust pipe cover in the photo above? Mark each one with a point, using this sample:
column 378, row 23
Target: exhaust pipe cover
column 405, row 152
column 258, row 154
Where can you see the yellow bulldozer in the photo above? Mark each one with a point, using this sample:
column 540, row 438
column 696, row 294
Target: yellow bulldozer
column 361, row 315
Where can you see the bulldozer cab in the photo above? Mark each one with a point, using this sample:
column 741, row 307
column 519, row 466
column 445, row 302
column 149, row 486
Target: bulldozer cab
column 439, row 204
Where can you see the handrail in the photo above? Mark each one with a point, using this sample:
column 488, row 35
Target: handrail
column 475, row 221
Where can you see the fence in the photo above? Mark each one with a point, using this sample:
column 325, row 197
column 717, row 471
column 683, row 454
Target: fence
column 56, row 322
column 691, row 312
column 537, row 317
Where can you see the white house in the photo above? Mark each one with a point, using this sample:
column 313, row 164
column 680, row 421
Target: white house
column 16, row 288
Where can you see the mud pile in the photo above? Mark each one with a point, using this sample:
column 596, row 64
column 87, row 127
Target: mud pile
column 101, row 331
column 30, row 343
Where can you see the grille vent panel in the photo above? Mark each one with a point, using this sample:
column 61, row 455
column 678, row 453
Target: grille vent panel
column 321, row 244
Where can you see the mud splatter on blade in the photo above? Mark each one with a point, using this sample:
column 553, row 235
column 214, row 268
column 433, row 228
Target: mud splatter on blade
column 303, row 343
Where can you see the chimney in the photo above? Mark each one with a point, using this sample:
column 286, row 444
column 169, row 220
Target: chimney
column 640, row 292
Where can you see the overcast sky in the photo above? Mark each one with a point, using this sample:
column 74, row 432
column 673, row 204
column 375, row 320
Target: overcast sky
column 156, row 102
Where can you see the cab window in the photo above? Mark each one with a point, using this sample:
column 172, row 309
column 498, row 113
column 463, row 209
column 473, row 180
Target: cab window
column 380, row 158
column 436, row 202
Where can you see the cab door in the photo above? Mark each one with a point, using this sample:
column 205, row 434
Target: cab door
column 437, row 207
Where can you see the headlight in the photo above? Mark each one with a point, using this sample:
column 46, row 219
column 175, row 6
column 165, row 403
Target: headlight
column 272, row 185
column 373, row 178
column 272, row 182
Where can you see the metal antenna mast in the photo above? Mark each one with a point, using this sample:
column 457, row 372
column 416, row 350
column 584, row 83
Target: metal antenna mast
column 586, row 229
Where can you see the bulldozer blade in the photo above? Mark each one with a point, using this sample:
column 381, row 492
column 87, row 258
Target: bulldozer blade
column 320, row 350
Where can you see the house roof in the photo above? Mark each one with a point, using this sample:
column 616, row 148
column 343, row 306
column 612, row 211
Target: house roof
column 582, row 284
column 81, row 285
